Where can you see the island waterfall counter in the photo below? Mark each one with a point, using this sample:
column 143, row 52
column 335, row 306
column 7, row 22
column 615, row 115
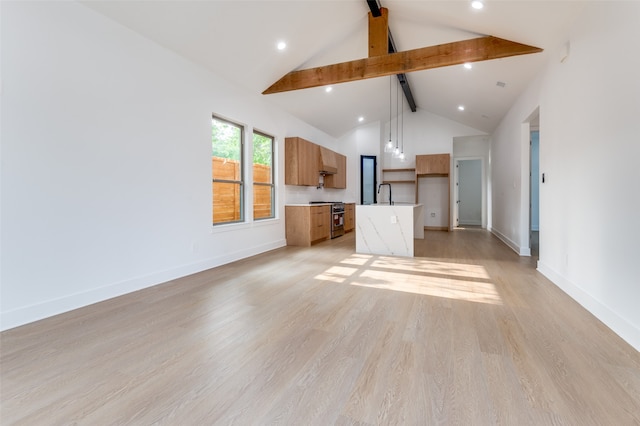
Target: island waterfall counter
column 388, row 229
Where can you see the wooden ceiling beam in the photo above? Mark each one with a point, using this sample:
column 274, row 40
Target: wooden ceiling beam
column 375, row 14
column 455, row 53
column 379, row 33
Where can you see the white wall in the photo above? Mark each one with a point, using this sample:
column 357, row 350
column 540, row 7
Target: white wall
column 106, row 164
column 425, row 133
column 362, row 140
column 588, row 152
column 433, row 193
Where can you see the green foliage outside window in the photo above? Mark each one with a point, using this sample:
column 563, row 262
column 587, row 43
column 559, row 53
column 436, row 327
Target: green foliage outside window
column 225, row 143
column 225, row 140
column 261, row 149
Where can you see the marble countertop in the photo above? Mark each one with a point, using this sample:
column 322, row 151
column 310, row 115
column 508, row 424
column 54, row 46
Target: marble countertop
column 392, row 205
column 315, row 204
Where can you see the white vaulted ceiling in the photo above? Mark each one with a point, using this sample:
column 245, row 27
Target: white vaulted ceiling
column 237, row 40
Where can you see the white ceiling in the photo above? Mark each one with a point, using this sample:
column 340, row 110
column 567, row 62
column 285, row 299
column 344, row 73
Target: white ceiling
column 237, row 40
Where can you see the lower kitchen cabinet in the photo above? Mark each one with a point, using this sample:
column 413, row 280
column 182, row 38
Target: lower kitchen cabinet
column 349, row 217
column 306, row 225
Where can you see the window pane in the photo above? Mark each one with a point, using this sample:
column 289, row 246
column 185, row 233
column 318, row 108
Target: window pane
column 262, row 201
column 227, row 202
column 227, row 147
column 226, row 165
column 262, row 158
column 263, row 191
column 226, row 140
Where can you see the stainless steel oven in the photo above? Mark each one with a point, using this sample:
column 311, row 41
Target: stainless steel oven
column 337, row 219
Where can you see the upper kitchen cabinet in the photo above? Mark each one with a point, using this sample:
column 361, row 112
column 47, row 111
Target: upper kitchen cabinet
column 339, row 179
column 305, row 162
column 435, row 164
column 302, row 161
column 328, row 161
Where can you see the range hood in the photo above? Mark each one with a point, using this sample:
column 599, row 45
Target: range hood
column 328, row 162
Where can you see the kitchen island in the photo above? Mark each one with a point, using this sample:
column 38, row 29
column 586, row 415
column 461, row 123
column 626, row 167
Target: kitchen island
column 388, row 229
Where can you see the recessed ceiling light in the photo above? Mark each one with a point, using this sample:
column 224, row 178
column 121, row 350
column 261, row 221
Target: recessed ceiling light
column 282, row 45
column 468, row 65
column 477, row 4
column 460, row 107
column 361, row 119
column 328, row 89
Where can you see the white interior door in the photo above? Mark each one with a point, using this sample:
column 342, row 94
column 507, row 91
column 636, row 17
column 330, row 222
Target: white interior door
column 469, row 192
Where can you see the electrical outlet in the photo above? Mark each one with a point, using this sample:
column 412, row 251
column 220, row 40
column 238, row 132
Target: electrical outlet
column 394, row 219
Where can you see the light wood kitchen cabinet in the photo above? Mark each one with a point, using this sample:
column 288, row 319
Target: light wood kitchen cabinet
column 306, row 225
column 328, row 160
column 302, row 160
column 338, row 180
column 305, row 161
column 349, row 217
column 435, row 164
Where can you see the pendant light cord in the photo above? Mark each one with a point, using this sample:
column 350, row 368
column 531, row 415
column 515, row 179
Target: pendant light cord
column 397, row 113
column 390, row 78
column 402, row 125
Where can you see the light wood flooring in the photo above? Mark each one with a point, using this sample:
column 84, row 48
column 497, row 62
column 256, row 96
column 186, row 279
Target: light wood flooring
column 466, row 334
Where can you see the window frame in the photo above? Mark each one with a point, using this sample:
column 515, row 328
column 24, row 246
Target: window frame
column 241, row 182
column 272, row 185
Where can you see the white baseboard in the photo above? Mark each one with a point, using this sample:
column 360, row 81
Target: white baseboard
column 38, row 311
column 618, row 325
column 522, row 251
column 471, row 222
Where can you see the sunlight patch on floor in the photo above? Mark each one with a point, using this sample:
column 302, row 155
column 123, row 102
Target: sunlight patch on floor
column 434, row 267
column 450, row 288
column 357, row 259
column 450, row 280
column 336, row 274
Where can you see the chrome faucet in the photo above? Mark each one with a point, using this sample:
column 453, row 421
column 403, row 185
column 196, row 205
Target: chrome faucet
column 383, row 184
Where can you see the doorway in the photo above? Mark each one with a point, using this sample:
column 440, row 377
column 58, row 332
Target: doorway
column 469, row 192
column 534, row 191
column 368, row 180
column 469, row 186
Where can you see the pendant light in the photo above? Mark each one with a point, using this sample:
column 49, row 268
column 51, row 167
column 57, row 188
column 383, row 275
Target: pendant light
column 388, row 147
column 402, row 157
column 396, row 150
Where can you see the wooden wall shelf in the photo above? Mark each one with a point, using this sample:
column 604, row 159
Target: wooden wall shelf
column 398, row 170
column 401, row 176
column 433, row 175
column 427, row 166
column 399, row 181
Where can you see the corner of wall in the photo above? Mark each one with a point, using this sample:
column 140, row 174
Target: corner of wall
column 510, row 243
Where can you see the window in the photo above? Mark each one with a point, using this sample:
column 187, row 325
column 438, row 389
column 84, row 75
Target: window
column 263, row 188
column 226, row 162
